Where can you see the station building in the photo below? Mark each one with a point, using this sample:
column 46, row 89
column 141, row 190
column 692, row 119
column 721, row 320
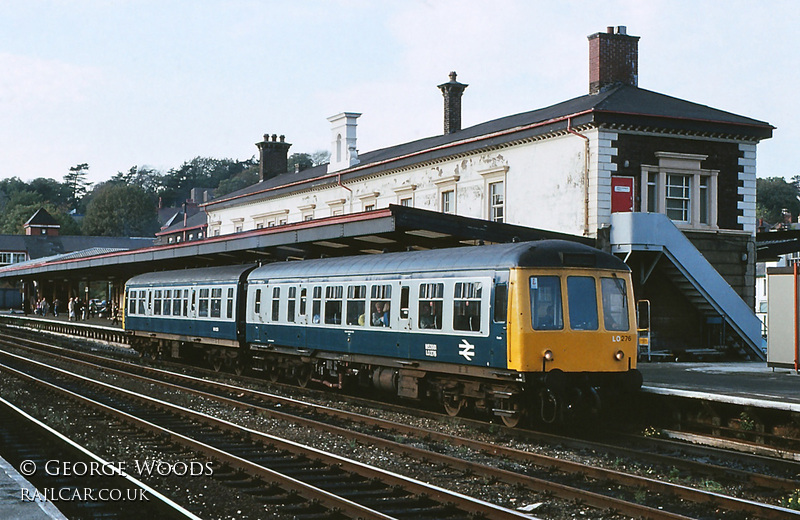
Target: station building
column 667, row 184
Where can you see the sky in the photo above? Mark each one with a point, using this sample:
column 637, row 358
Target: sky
column 123, row 83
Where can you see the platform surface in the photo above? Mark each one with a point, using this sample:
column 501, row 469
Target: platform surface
column 12, row 505
column 738, row 380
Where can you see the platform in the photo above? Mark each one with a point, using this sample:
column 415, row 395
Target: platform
column 12, row 507
column 742, row 383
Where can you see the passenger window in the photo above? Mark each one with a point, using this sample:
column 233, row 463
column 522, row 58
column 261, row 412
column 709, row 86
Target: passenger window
column 546, row 310
column 404, row 296
column 316, row 304
column 131, row 306
column 303, row 293
column 202, row 304
column 216, row 303
column 356, row 305
column 381, row 305
column 291, row 304
column 257, row 302
column 615, row 304
column 157, row 304
column 167, row 309
column 333, row 304
column 229, row 303
column 500, row 303
column 186, row 301
column 467, row 306
column 431, row 303
column 141, row 309
column 582, row 301
column 276, row 303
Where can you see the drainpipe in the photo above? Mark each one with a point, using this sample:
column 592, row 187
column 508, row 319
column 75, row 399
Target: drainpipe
column 339, row 182
column 796, row 320
column 585, row 176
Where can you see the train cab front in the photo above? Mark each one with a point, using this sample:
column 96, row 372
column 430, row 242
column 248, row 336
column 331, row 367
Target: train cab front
column 573, row 333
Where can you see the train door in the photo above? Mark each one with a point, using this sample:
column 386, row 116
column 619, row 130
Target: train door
column 301, row 314
column 403, row 303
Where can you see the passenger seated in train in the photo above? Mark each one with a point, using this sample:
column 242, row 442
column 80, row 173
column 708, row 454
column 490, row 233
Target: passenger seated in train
column 380, row 314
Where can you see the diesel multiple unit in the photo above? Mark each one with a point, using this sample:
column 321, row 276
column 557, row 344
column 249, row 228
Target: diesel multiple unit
column 538, row 329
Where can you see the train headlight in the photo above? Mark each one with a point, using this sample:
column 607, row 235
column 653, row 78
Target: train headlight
column 619, row 355
column 548, row 355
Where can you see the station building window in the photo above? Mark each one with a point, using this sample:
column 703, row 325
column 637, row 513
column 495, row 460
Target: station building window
column 496, row 201
column 679, row 188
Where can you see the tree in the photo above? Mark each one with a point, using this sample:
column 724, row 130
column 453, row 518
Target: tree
column 239, row 181
column 77, row 185
column 148, row 179
column 773, row 195
column 118, row 209
column 299, row 162
column 320, row 157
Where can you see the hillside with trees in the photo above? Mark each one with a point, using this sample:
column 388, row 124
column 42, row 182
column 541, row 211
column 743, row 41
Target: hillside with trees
column 127, row 203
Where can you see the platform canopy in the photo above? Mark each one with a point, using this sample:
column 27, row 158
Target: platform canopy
column 396, row 228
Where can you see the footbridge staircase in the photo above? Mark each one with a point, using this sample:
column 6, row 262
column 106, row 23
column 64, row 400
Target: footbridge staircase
column 688, row 269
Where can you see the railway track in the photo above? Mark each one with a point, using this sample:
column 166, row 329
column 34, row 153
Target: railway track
column 308, row 415
column 67, row 474
column 291, row 470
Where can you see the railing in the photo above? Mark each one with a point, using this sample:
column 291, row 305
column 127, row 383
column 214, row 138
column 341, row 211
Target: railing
column 85, row 330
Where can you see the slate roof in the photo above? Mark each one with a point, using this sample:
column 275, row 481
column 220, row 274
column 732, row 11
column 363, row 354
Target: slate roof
column 41, row 218
column 44, row 246
column 619, row 105
column 195, row 221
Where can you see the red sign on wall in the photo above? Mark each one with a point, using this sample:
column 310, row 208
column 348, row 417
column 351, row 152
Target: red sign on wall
column 621, row 194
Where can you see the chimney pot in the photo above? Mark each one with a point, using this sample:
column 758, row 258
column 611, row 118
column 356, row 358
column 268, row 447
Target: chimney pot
column 610, row 30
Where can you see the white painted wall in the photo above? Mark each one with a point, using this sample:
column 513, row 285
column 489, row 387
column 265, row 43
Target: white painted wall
column 544, row 188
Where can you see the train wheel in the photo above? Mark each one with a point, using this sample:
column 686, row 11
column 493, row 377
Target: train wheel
column 303, row 376
column 216, row 364
column 512, row 421
column 273, row 374
column 453, row 405
column 238, row 367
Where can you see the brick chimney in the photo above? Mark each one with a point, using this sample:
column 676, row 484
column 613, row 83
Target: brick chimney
column 452, row 91
column 613, row 59
column 273, row 158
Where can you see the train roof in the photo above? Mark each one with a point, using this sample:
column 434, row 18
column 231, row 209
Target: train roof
column 542, row 253
column 225, row 273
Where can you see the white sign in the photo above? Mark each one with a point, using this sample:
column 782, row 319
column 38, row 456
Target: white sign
column 466, row 349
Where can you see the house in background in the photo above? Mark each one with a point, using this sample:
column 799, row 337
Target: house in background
column 42, row 240
column 667, row 184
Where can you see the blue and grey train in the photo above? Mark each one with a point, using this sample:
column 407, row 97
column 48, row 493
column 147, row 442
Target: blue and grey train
column 533, row 329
